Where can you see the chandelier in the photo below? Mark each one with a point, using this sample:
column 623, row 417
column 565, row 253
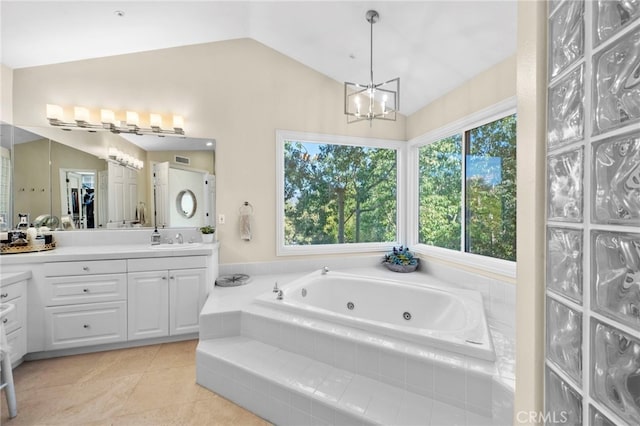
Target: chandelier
column 131, row 124
column 372, row 101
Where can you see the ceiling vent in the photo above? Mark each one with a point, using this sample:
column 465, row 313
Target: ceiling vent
column 182, row 160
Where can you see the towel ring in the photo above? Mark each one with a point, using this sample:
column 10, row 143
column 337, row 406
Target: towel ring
column 246, row 209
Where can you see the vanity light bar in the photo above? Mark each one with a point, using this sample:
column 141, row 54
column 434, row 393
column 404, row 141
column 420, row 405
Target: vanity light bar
column 119, row 157
column 82, row 116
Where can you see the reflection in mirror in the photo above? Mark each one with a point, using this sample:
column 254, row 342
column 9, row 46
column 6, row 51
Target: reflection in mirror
column 77, row 185
column 6, row 145
column 177, row 189
column 75, row 191
column 77, row 197
column 31, row 185
column 186, row 203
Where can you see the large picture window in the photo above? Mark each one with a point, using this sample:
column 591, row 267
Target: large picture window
column 337, row 196
column 467, row 190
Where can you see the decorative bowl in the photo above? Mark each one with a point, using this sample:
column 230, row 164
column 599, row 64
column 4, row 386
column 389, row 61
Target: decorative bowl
column 401, row 268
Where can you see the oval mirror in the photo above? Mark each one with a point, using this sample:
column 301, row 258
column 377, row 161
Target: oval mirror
column 186, row 203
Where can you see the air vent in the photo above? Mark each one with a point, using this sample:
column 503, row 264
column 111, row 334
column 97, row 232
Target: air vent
column 182, row 160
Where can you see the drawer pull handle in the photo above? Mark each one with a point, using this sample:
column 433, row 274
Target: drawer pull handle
column 86, row 326
column 85, row 268
column 164, row 278
column 171, row 277
column 3, row 295
column 86, row 290
column 4, row 321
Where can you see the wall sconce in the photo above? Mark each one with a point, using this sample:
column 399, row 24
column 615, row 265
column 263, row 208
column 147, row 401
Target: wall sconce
column 81, row 119
column 119, row 157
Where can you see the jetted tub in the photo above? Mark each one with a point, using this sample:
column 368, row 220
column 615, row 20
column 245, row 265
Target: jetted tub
column 451, row 320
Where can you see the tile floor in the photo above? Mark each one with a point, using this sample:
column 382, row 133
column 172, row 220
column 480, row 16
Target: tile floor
column 149, row 385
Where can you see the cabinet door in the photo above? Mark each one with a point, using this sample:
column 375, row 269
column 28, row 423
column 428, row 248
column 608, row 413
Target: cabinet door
column 186, row 298
column 148, row 304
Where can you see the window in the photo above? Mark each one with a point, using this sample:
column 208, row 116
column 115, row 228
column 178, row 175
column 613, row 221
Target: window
column 467, row 202
column 337, row 194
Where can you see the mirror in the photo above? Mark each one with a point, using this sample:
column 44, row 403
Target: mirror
column 186, row 203
column 70, row 175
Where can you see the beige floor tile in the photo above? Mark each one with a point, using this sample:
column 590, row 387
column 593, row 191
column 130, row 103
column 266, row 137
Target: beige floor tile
column 94, row 400
column 151, row 385
column 167, row 415
column 160, row 388
column 121, row 363
column 54, row 372
column 177, row 354
column 29, row 413
column 213, row 411
column 247, row 418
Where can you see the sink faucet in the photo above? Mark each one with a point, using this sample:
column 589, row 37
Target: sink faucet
column 179, row 238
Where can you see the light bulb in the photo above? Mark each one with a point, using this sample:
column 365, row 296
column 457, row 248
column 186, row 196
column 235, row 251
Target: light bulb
column 54, row 112
column 178, row 122
column 155, row 120
column 132, row 118
column 107, row 116
column 81, row 114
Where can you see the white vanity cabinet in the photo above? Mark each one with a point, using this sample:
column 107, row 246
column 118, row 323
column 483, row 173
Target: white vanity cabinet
column 165, row 295
column 15, row 322
column 85, row 303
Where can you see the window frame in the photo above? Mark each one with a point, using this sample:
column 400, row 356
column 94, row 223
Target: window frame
column 283, row 136
column 493, row 265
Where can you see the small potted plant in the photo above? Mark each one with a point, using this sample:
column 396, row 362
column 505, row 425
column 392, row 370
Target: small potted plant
column 401, row 260
column 207, row 233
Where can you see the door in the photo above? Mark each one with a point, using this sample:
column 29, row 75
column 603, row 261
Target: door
column 148, row 304
column 186, row 298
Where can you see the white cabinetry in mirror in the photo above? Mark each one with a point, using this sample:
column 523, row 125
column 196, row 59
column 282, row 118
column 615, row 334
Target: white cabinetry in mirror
column 165, row 295
column 122, row 197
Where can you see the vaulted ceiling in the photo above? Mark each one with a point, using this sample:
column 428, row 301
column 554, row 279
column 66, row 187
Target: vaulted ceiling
column 433, row 46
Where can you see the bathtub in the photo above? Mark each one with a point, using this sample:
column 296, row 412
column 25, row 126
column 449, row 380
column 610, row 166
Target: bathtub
column 450, row 320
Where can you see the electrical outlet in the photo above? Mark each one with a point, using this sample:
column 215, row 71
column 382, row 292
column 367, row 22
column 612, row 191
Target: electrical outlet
column 221, row 219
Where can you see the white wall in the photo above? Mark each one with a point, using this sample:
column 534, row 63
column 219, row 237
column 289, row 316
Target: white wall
column 6, row 94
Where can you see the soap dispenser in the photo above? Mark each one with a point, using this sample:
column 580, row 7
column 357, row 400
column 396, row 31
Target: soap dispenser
column 155, row 237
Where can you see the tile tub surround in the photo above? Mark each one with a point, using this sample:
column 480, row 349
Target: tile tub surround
column 236, row 341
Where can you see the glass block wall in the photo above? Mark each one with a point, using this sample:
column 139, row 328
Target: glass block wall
column 593, row 213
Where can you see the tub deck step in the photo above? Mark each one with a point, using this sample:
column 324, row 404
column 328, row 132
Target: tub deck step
column 288, row 388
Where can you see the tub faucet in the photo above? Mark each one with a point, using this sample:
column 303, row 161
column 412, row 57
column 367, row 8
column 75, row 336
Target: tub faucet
column 325, row 270
column 280, row 295
column 275, row 288
column 179, row 238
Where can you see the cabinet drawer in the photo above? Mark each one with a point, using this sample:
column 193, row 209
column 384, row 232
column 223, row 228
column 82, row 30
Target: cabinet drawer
column 89, row 289
column 12, row 291
column 164, row 263
column 17, row 343
column 12, row 320
column 85, row 325
column 89, row 267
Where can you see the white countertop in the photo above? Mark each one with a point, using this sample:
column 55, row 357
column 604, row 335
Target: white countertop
column 14, row 277
column 110, row 251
